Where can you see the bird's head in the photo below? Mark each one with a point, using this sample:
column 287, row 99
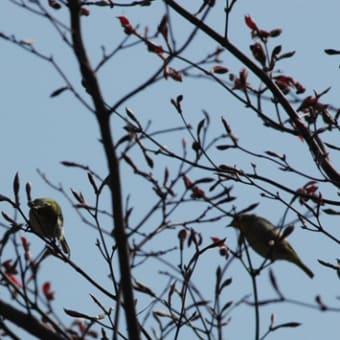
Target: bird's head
column 47, row 206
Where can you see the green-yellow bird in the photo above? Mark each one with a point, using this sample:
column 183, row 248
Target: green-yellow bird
column 265, row 239
column 46, row 219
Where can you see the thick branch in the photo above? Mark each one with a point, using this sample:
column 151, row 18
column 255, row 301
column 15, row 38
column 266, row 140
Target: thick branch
column 28, row 322
column 315, row 144
column 102, row 114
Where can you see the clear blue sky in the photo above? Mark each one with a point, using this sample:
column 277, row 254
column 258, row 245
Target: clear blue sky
column 39, row 132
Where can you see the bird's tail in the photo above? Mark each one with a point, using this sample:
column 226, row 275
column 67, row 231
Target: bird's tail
column 305, row 269
column 65, row 246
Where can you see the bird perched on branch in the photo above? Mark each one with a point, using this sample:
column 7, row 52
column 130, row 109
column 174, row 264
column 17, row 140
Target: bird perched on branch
column 267, row 240
column 46, row 219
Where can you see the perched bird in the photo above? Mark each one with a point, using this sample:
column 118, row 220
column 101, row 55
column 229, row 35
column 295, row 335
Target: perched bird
column 46, row 219
column 266, row 240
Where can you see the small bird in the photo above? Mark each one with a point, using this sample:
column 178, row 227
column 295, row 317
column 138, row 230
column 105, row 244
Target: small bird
column 46, row 219
column 266, row 240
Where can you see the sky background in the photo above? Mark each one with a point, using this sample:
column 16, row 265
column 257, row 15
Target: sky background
column 38, row 132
